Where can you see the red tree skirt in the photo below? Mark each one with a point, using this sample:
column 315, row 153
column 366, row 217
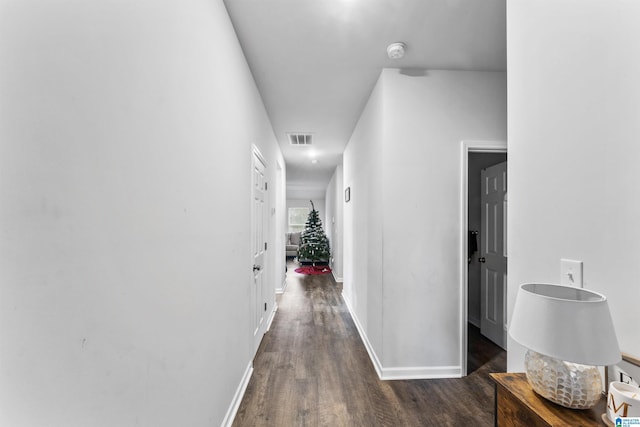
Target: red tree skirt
column 314, row 269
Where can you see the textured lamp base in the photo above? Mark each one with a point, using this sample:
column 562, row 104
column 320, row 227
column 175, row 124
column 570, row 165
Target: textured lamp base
column 567, row 384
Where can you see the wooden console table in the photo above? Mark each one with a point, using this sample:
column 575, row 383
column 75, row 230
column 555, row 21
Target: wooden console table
column 517, row 405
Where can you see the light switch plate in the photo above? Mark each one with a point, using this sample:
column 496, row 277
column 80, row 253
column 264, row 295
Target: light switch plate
column 619, row 374
column 571, row 273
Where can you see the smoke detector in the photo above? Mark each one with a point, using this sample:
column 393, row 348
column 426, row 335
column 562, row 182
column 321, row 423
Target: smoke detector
column 396, row 50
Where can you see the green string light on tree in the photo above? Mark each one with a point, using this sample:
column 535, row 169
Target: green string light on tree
column 314, row 245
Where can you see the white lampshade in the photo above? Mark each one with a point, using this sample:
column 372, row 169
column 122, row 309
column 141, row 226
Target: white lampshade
column 566, row 323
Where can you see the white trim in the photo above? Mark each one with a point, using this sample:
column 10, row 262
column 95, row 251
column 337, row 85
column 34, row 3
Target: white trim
column 401, row 373
column 255, row 150
column 237, row 397
column 271, row 317
column 466, row 148
column 421, row 373
column 281, row 289
column 365, row 339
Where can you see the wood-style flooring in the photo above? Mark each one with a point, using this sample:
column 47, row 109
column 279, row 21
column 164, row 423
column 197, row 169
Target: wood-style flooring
column 312, row 369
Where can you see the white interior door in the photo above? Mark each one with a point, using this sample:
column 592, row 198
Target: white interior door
column 258, row 249
column 493, row 254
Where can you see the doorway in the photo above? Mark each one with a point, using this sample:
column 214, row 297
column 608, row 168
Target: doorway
column 259, row 247
column 479, row 313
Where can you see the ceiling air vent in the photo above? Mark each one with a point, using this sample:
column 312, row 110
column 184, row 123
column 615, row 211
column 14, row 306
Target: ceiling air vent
column 300, row 139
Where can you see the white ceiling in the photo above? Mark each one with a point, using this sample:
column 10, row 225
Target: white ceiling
column 316, row 61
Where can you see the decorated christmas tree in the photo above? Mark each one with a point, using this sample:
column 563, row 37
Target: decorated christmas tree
column 314, row 245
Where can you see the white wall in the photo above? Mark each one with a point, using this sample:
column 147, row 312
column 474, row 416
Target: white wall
column 362, row 167
column 125, row 153
column 574, row 97
column 334, row 222
column 412, row 130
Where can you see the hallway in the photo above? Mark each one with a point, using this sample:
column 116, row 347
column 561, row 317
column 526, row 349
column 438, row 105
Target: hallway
column 313, row 370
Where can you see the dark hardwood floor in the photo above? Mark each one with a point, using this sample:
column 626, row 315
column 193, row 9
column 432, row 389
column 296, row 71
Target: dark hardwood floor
column 312, row 369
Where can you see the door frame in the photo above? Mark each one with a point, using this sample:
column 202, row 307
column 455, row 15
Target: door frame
column 468, row 146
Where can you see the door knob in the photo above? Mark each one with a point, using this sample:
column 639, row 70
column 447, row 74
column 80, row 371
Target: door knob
column 257, row 268
column 482, row 259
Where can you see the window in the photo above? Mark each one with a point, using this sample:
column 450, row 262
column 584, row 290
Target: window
column 298, row 218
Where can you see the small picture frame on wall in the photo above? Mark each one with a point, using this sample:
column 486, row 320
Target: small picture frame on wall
column 347, row 194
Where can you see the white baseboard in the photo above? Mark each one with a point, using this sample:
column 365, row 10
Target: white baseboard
column 280, row 291
column 372, row 354
column 421, row 373
column 237, row 397
column 338, row 279
column 402, row 373
column 271, row 317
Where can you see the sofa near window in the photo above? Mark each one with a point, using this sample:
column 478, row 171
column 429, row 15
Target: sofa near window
column 292, row 244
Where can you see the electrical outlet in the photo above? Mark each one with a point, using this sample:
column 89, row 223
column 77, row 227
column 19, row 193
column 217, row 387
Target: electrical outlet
column 571, row 273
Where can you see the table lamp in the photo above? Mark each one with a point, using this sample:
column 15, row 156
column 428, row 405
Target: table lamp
column 568, row 333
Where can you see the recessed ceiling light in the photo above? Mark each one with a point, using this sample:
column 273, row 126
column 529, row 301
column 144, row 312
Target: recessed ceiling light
column 396, row 50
